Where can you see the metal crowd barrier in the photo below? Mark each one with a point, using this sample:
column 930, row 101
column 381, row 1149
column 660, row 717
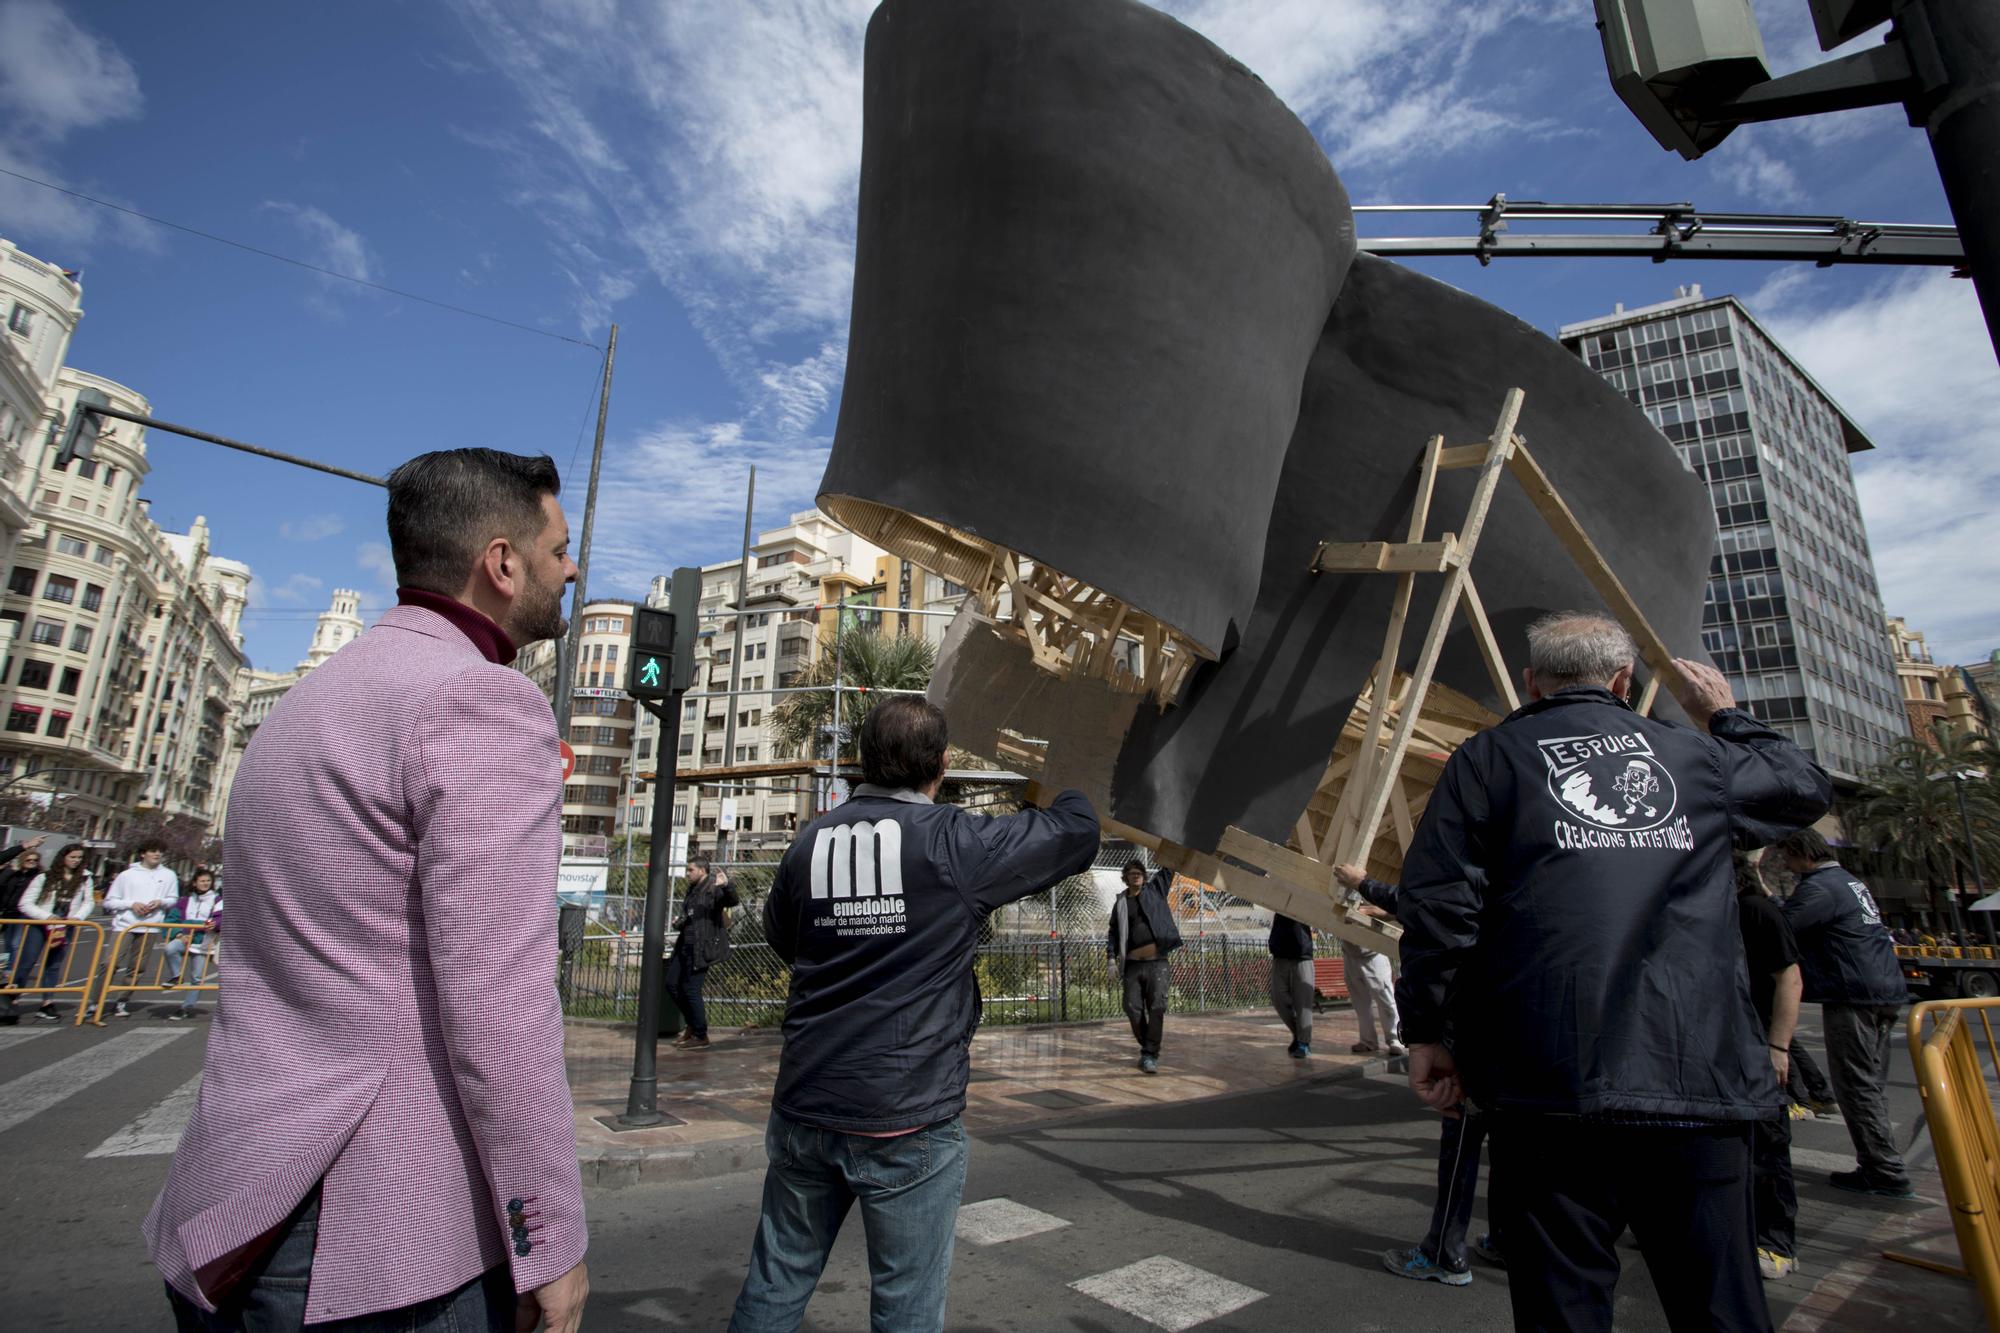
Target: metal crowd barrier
column 1952, row 1076
column 27, row 971
column 133, row 945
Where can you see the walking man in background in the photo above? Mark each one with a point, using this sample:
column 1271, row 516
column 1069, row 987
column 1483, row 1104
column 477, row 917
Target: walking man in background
column 877, row 907
column 703, row 942
column 1571, row 965
column 385, row 1126
column 1851, row 972
column 1292, row 981
column 1371, row 985
column 1141, row 936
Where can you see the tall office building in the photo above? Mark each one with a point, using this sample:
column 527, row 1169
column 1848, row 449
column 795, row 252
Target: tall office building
column 1794, row 615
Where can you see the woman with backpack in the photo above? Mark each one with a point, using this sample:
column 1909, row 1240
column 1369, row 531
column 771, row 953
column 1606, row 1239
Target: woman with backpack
column 63, row 892
column 703, row 942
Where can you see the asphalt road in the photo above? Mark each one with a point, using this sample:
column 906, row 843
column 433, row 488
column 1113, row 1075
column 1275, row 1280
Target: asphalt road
column 1284, row 1200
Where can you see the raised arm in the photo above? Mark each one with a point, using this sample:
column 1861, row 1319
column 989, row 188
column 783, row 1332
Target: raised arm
column 486, row 807
column 1773, row 787
column 1000, row 860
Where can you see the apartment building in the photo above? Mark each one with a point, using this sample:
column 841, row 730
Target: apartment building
column 1794, row 611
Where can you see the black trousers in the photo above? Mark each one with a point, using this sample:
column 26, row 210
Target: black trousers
column 1807, row 1083
column 1565, row 1189
column 684, row 983
column 1777, row 1202
column 1458, row 1182
column 1146, row 986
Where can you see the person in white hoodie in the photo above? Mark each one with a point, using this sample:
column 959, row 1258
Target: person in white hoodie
column 139, row 896
column 62, row 892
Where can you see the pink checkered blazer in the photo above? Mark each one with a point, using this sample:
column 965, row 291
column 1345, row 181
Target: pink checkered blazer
column 388, row 1020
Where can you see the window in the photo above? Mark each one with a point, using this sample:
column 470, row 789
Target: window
column 93, row 597
column 72, row 678
column 35, row 675
column 59, row 589
column 47, row 631
column 68, row 545
column 103, row 556
column 21, row 320
column 58, row 724
column 79, row 639
column 23, row 717
column 22, row 581
column 687, row 745
column 645, row 747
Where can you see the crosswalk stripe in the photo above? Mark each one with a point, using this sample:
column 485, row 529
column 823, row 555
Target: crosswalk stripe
column 157, row 1132
column 32, row 1094
column 15, row 1036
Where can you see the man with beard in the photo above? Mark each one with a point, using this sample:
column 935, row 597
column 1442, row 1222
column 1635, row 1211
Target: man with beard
column 385, row 1133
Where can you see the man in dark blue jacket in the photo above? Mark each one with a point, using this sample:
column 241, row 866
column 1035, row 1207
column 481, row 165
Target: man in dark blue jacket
column 1851, row 972
column 1571, row 963
column 1291, row 946
column 877, row 907
column 1141, row 936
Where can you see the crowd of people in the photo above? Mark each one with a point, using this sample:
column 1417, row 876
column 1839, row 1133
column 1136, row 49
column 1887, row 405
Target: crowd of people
column 44, row 958
column 1595, row 989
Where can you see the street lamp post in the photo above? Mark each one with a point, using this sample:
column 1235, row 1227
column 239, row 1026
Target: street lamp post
column 1958, row 778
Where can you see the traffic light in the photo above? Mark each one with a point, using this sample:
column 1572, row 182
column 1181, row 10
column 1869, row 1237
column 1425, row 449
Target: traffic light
column 1673, row 62
column 79, row 439
column 661, row 662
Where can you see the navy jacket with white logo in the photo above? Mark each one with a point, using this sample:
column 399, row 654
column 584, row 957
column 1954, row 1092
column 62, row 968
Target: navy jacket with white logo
column 1569, row 910
column 877, row 907
column 1845, row 953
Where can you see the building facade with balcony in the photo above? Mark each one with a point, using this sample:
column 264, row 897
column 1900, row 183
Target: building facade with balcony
column 1793, row 613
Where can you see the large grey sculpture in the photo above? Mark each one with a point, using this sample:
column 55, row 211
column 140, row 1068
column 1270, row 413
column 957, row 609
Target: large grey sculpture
column 1108, row 315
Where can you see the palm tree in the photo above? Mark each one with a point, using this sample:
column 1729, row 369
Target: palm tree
column 867, row 659
column 1908, row 814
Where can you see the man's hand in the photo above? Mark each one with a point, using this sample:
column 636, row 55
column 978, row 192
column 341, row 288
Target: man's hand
column 1370, row 909
column 34, row 842
column 1701, row 691
column 1434, row 1078
column 560, row 1303
column 1350, row 876
column 1781, row 1065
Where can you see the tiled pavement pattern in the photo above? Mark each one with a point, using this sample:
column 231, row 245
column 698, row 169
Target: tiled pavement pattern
column 1020, row 1075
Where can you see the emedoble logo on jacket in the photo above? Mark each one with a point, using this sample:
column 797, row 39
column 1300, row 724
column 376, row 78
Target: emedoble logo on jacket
column 1614, row 792
column 858, row 869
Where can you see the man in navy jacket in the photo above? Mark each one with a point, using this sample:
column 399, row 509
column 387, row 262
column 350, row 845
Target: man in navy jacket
column 1851, row 972
column 877, row 907
column 1571, row 964
column 1141, row 935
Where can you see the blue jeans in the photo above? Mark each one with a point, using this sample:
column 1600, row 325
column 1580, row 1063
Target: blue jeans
column 908, row 1188
column 272, row 1299
column 180, row 964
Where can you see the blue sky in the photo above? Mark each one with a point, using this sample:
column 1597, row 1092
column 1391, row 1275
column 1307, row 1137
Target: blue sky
column 689, row 171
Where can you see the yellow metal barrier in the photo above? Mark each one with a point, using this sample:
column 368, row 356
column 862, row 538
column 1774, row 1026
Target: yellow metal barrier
column 27, row 971
column 133, row 946
column 1952, row 1074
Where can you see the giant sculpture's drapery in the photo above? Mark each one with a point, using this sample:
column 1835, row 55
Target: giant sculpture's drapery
column 1113, row 355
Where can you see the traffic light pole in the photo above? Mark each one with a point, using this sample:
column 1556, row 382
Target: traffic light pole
column 642, row 1103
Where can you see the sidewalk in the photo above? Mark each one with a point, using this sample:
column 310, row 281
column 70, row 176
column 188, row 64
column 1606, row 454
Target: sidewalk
column 720, row 1098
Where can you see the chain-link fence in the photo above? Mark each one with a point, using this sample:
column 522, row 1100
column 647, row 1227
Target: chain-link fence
column 1040, row 960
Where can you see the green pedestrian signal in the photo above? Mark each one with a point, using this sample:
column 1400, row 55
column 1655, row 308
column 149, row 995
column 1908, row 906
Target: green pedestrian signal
column 660, row 663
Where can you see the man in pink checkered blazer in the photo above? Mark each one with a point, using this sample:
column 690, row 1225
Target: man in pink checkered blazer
column 384, row 1132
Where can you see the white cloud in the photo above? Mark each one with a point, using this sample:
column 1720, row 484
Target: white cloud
column 675, row 496
column 1764, row 182
column 1910, row 360
column 334, row 246
column 378, row 564
column 316, row 527
column 56, row 78
column 296, row 590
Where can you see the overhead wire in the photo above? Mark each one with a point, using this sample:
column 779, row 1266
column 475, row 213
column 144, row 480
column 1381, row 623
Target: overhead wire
column 298, row 263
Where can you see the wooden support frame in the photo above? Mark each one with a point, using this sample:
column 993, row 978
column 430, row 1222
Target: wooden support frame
column 1070, row 628
column 1399, row 709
